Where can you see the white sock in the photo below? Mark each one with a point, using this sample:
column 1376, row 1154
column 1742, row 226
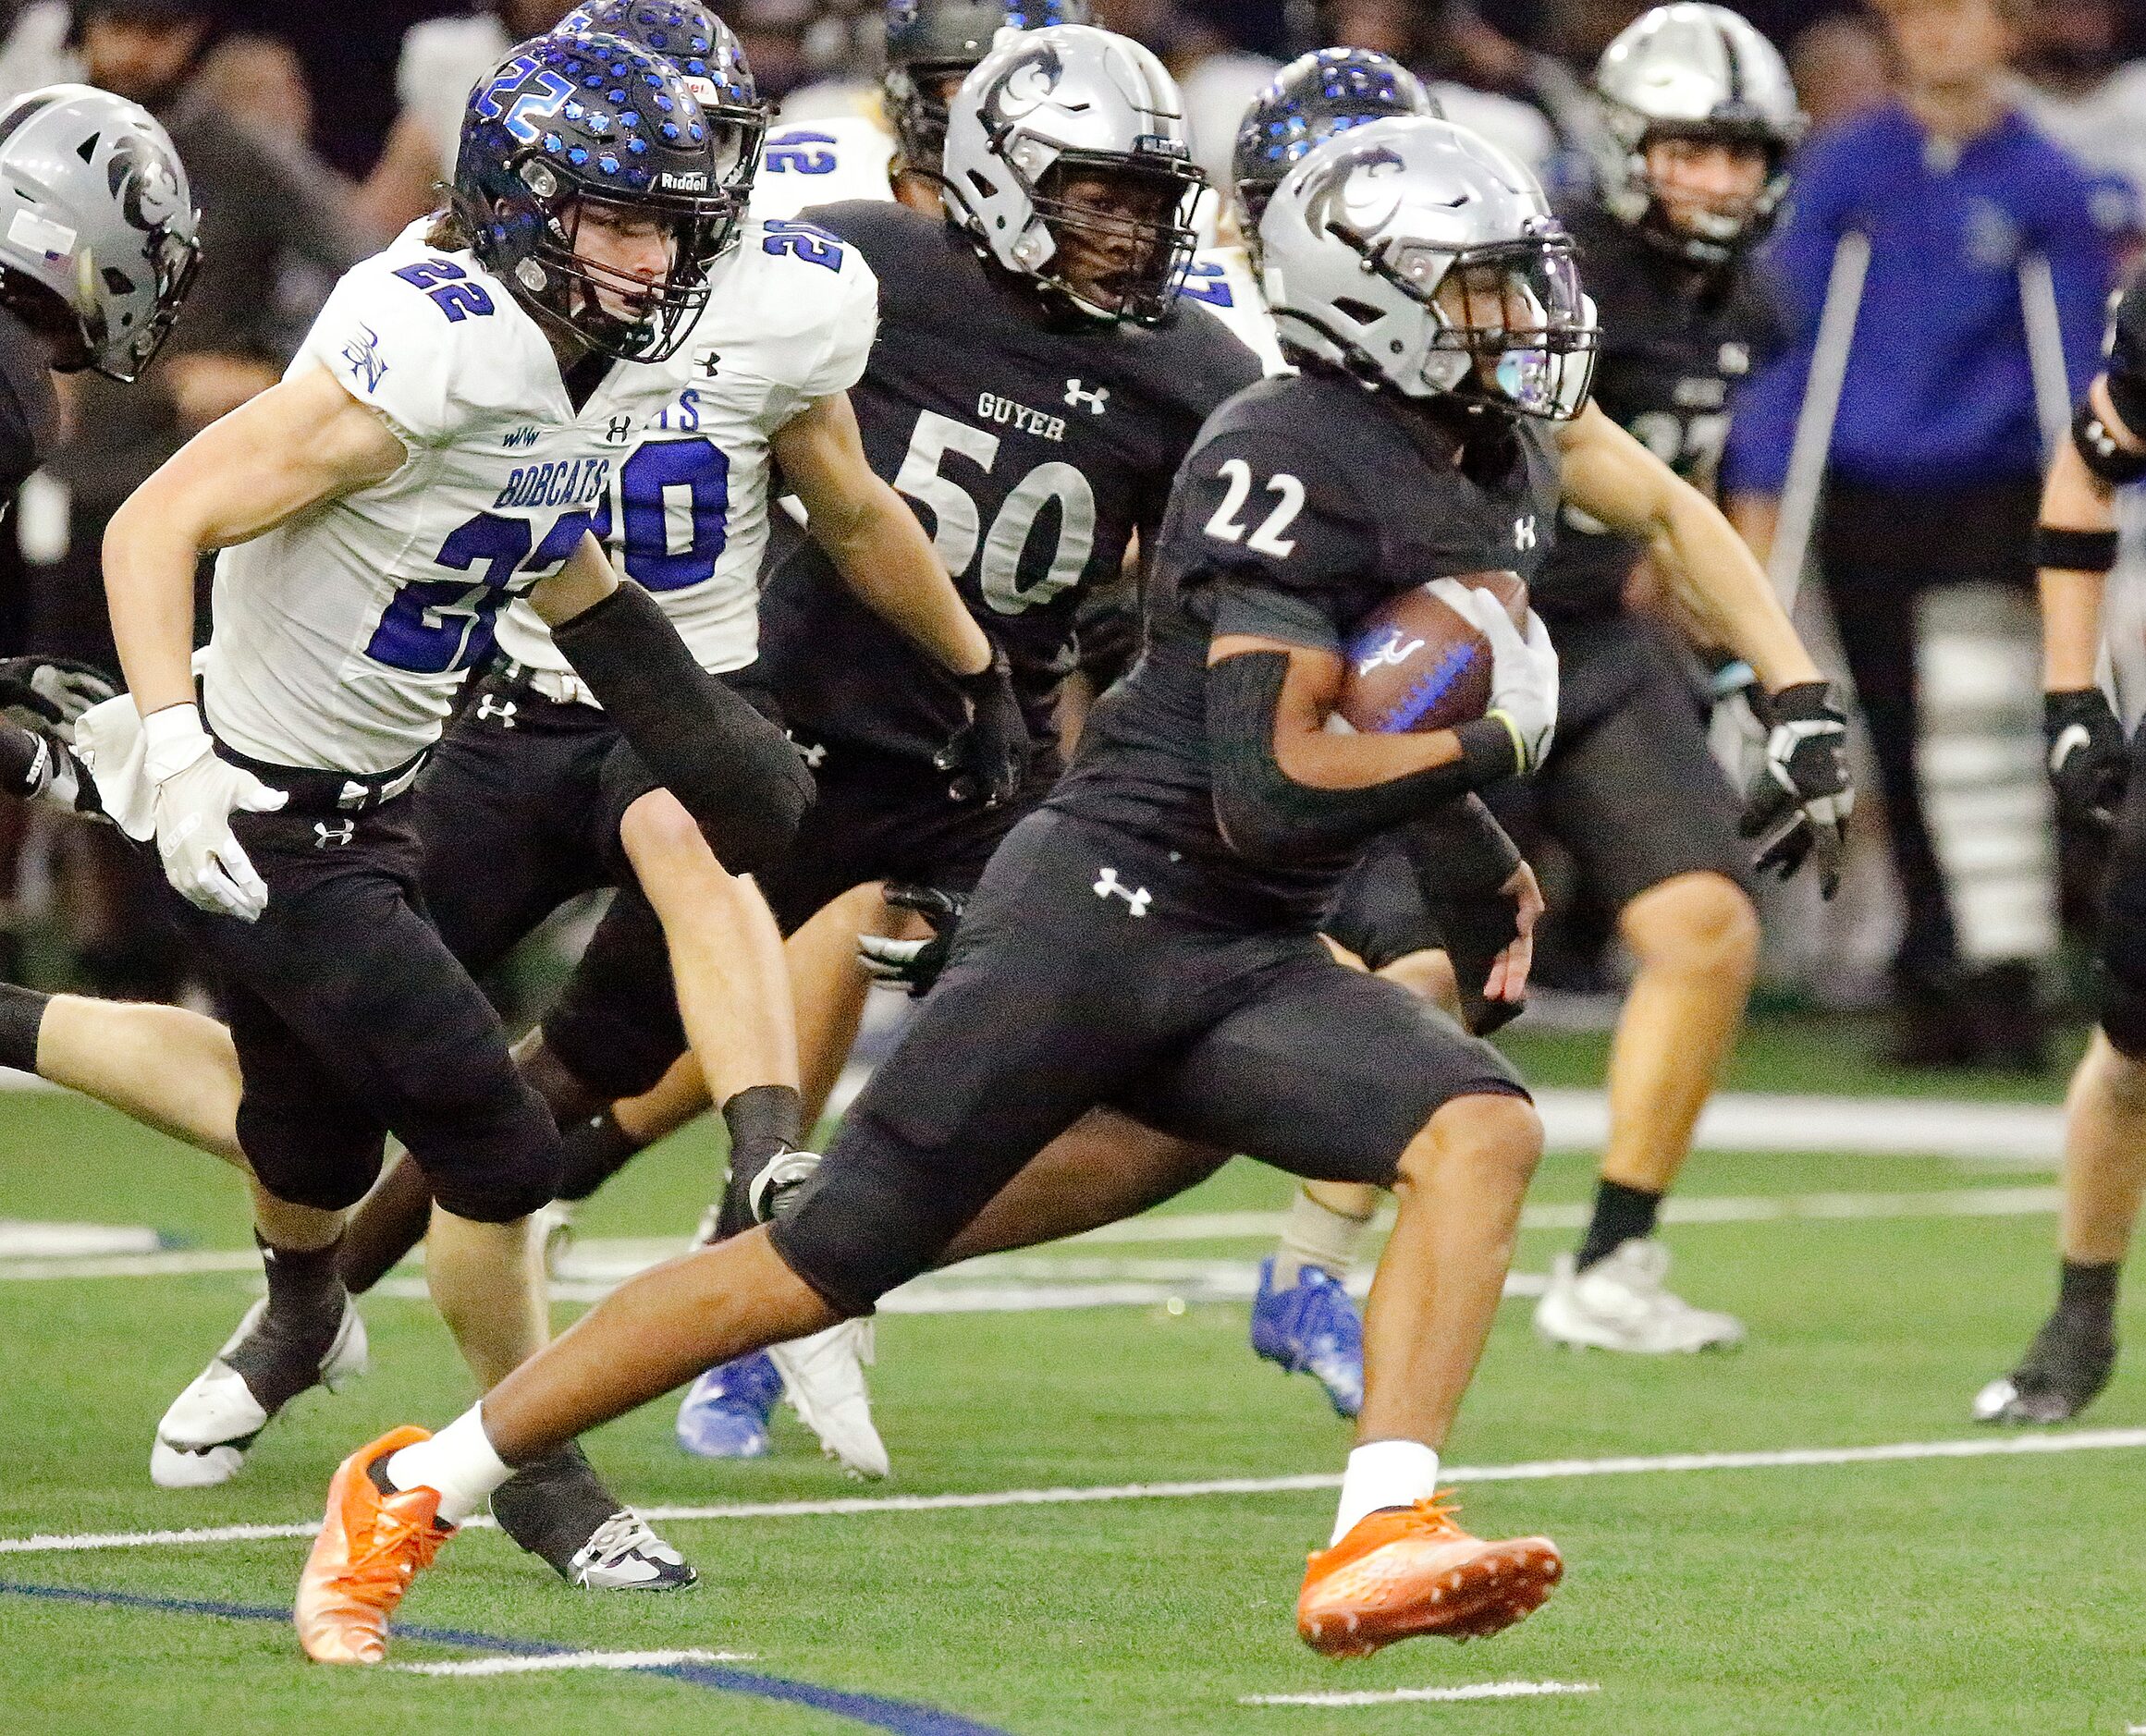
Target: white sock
column 1315, row 1234
column 1384, row 1473
column 458, row 1461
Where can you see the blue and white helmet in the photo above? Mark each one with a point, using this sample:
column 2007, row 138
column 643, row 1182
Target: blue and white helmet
column 98, row 229
column 1362, row 234
column 567, row 119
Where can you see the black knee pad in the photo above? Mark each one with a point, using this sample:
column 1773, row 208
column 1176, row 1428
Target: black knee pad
column 486, row 1143
column 866, row 1223
column 303, row 1162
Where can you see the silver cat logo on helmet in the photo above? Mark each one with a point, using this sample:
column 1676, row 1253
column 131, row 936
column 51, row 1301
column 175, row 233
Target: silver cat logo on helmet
column 143, row 183
column 1350, row 192
column 1025, row 85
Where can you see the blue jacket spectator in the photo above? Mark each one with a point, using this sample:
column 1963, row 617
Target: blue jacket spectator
column 1938, row 392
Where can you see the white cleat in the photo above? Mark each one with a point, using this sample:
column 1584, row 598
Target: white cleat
column 204, row 1438
column 823, row 1377
column 624, row 1555
column 1619, row 1303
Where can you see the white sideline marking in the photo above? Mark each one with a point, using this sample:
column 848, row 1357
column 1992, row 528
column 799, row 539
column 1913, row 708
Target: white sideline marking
column 29, row 1238
column 1393, row 1696
column 1541, row 1469
column 12, row 1080
column 571, row 1661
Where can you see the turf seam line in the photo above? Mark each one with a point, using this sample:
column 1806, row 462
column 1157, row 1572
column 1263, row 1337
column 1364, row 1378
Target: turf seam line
column 1542, row 1470
column 905, row 1717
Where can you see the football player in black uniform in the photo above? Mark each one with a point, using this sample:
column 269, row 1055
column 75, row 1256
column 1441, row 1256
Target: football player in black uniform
column 1147, row 941
column 92, row 176
column 2100, row 788
column 1700, row 116
column 1034, row 385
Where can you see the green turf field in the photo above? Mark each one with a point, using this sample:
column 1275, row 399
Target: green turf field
column 1990, row 1594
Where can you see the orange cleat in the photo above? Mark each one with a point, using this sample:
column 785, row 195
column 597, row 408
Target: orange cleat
column 371, row 1546
column 1402, row 1571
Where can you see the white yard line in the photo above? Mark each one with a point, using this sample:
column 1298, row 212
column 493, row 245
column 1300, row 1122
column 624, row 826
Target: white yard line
column 1021, row 1282
column 1396, row 1696
column 1543, row 1470
column 571, row 1661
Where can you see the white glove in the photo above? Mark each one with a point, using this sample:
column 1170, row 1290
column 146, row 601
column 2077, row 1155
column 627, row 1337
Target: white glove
column 196, row 795
column 1523, row 668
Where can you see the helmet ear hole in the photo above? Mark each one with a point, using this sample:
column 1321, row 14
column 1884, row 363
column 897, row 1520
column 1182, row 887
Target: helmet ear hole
column 1362, row 312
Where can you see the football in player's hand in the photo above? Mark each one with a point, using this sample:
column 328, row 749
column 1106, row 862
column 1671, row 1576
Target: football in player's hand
column 1415, row 665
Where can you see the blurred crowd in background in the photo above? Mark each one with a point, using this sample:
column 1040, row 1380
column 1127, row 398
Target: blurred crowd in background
column 314, row 132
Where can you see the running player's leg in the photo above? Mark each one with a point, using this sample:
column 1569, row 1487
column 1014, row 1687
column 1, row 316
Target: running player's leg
column 1329, row 1073
column 2074, row 1353
column 1643, row 807
column 167, row 1067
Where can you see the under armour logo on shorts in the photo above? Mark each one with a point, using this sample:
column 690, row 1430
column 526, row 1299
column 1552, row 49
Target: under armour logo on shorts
column 503, row 709
column 325, row 834
column 813, row 753
column 1077, row 395
column 1107, row 886
column 1523, row 532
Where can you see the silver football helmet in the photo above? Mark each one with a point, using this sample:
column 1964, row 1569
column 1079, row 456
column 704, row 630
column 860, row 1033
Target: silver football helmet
column 1046, row 106
column 1362, row 237
column 97, row 227
column 1693, row 71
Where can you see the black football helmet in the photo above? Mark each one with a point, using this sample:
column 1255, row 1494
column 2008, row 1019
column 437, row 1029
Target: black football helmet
column 1312, row 98
column 931, row 45
column 567, row 120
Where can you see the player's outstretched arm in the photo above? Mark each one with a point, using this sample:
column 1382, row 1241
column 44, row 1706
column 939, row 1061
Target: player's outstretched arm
column 1716, row 579
column 734, row 773
column 301, row 442
column 884, row 556
column 872, row 537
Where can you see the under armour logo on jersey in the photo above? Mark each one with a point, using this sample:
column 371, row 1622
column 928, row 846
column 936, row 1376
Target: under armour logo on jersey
column 325, row 834
column 1107, row 886
column 1523, row 532
column 617, row 431
column 503, row 709
column 361, row 355
column 707, row 361
column 1077, row 395
column 520, row 437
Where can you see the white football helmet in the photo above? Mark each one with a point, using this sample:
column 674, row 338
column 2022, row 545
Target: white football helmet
column 1362, row 234
column 1049, row 104
column 1693, row 71
column 97, row 227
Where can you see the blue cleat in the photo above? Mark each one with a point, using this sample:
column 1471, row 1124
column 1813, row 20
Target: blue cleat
column 725, row 1412
column 1311, row 1328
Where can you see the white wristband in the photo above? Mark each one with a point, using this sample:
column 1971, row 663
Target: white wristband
column 173, row 739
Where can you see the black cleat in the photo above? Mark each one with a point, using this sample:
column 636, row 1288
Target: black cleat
column 558, row 1508
column 2063, row 1372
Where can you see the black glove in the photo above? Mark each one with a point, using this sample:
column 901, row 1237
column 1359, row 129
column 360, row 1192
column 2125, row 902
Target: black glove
column 2088, row 762
column 51, row 692
column 914, row 965
column 1799, row 802
column 987, row 753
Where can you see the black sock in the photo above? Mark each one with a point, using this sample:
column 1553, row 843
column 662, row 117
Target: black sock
column 1621, row 1214
column 763, row 1120
column 764, row 1123
column 592, row 1151
column 21, row 1017
column 2087, row 1295
column 281, row 1357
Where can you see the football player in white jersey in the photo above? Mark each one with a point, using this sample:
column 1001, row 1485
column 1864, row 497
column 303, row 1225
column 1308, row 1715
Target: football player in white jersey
column 407, row 479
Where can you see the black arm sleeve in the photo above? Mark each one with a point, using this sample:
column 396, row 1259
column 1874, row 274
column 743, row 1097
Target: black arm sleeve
column 1270, row 818
column 732, row 770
